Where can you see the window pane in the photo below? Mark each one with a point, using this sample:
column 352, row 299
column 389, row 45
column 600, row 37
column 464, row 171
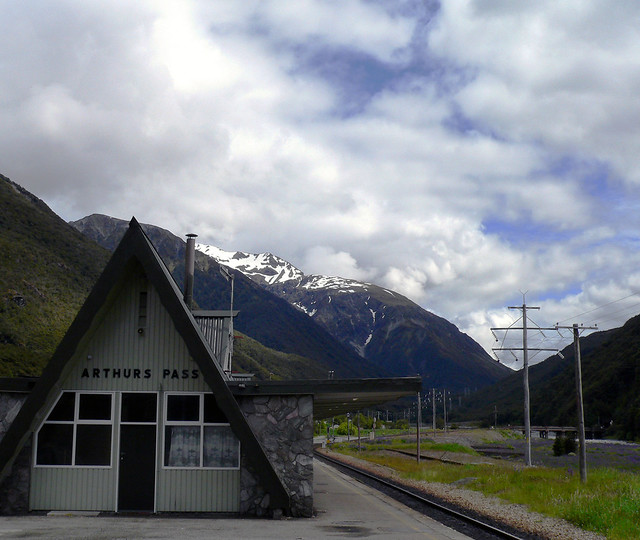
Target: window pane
column 55, row 442
column 183, row 408
column 93, row 445
column 182, row 446
column 64, row 409
column 95, row 407
column 212, row 413
column 221, row 448
column 139, row 407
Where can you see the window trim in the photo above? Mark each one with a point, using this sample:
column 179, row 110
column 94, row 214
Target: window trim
column 200, row 423
column 75, row 423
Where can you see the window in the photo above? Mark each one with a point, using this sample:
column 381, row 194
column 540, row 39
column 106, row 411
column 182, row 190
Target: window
column 197, row 434
column 77, row 431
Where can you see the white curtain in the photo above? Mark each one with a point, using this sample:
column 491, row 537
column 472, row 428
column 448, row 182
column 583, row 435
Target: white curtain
column 221, row 448
column 184, row 449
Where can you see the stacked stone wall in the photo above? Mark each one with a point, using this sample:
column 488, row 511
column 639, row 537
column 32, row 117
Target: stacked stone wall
column 10, row 405
column 14, row 486
column 284, row 428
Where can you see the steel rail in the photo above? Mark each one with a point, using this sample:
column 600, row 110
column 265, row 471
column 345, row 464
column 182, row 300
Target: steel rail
column 482, row 525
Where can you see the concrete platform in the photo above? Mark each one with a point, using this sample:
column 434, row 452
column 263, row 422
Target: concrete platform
column 345, row 509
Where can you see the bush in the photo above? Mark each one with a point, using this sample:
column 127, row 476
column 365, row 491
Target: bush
column 564, row 445
column 342, row 429
column 401, row 424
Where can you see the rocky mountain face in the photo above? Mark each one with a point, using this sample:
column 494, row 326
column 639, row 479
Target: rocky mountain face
column 380, row 325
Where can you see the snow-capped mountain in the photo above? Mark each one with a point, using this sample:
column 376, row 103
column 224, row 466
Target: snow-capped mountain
column 381, row 325
column 358, row 329
column 263, row 268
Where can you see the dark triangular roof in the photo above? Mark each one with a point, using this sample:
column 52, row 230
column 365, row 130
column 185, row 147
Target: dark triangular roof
column 135, row 247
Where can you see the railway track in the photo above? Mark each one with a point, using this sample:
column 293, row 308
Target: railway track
column 473, row 526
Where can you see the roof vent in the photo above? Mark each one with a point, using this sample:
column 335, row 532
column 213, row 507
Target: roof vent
column 189, row 269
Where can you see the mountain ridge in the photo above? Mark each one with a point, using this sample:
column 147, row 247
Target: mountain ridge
column 263, row 316
column 373, row 320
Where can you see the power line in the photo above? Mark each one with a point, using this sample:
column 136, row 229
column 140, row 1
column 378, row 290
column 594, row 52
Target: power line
column 599, row 307
column 627, row 308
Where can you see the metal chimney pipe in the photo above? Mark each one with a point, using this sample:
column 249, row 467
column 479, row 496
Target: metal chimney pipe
column 189, row 269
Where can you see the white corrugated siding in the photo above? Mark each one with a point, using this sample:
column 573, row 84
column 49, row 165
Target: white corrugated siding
column 63, row 488
column 116, row 344
column 198, row 491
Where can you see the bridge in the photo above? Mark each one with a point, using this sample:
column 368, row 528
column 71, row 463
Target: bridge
column 562, row 431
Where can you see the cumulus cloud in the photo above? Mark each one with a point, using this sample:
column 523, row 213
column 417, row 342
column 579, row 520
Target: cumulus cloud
column 326, row 261
column 458, row 153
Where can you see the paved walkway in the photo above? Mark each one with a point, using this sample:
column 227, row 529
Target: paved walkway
column 345, row 509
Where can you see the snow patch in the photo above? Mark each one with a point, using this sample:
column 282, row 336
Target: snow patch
column 270, row 268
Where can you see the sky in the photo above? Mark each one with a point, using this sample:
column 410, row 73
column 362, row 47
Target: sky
column 469, row 155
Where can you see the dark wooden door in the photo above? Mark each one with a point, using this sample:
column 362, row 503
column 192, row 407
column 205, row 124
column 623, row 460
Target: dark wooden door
column 137, row 476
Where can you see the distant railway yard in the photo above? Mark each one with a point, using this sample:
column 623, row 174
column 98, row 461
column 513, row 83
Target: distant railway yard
column 483, row 470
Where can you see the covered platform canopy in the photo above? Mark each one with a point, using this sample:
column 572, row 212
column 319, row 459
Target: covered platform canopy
column 332, row 397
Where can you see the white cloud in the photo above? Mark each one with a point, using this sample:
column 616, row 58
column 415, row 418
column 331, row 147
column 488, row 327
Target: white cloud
column 561, row 74
column 492, row 149
column 325, row 261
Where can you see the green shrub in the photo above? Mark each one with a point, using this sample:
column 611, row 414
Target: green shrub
column 342, row 429
column 564, row 445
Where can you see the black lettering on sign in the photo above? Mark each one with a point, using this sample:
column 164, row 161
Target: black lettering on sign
column 137, row 373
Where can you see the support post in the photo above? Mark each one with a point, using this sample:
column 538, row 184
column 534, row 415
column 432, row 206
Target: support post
column 418, row 421
column 579, row 404
column 581, row 436
column 527, row 415
column 433, row 404
column 444, row 404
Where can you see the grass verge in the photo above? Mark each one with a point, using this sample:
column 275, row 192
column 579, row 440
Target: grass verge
column 609, row 503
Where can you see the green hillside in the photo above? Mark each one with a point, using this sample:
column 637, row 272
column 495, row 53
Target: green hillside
column 250, row 356
column 46, row 273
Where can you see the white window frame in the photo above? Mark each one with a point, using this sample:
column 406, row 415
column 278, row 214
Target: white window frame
column 192, row 423
column 75, row 423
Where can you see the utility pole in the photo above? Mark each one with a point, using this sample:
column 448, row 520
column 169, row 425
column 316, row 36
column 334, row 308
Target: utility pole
column 444, row 404
column 433, row 404
column 418, row 421
column 525, row 370
column 580, row 409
